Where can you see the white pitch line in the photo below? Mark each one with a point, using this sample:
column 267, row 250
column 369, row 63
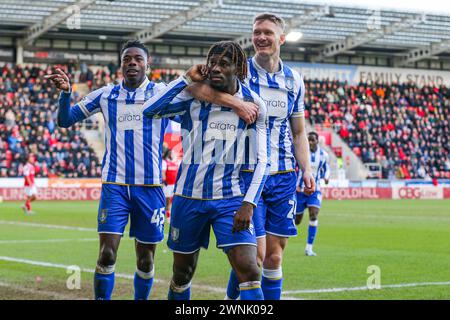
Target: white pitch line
column 388, row 286
column 119, row 275
column 221, row 290
column 48, row 226
column 46, row 241
column 51, row 294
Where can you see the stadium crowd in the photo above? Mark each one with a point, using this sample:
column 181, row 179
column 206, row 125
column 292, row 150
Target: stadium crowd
column 28, row 105
column 402, row 127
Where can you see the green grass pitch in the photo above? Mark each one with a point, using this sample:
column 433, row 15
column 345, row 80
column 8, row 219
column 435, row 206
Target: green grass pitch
column 409, row 240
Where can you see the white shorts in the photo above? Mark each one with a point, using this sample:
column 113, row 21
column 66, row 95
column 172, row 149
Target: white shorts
column 168, row 190
column 29, row 191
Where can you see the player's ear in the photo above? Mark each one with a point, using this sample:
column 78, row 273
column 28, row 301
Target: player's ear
column 282, row 39
column 149, row 63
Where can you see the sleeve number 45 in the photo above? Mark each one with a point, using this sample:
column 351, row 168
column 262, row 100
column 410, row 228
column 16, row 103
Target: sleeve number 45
column 158, row 216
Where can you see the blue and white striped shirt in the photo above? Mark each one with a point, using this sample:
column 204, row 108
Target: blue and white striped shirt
column 213, row 138
column 133, row 142
column 320, row 168
column 283, row 92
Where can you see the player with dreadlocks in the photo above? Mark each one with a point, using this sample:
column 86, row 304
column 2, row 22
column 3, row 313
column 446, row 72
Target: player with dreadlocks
column 208, row 192
column 283, row 91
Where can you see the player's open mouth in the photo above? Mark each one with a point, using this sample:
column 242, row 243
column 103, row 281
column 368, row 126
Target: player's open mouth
column 262, row 46
column 132, row 72
column 216, row 78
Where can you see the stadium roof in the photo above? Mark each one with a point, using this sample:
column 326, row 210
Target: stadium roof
column 327, row 30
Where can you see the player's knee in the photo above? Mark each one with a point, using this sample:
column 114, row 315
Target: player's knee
column 260, row 260
column 249, row 270
column 298, row 219
column 145, row 264
column 107, row 256
column 183, row 274
column 313, row 216
column 273, row 260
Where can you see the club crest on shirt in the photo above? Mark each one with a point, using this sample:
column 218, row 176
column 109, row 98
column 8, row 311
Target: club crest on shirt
column 289, row 83
column 249, row 99
column 113, row 95
column 174, row 234
column 103, row 215
column 251, row 228
column 148, row 94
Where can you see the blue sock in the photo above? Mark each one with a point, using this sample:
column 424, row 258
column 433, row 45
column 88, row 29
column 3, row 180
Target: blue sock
column 272, row 283
column 103, row 285
column 143, row 282
column 312, row 231
column 179, row 292
column 251, row 290
column 233, row 286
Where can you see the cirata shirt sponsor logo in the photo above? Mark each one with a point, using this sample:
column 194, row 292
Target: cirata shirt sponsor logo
column 275, row 103
column 129, row 117
column 222, row 126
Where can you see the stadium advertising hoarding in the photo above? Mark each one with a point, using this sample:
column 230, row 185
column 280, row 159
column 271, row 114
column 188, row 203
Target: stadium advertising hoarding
column 6, row 55
column 89, row 189
column 64, row 56
column 418, row 192
column 356, row 193
column 52, row 189
column 176, row 61
column 355, row 74
column 53, row 194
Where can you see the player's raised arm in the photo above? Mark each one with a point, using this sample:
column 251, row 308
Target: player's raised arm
column 326, row 169
column 68, row 115
column 247, row 111
column 243, row 216
column 172, row 100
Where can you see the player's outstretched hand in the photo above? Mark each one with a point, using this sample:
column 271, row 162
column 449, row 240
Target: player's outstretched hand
column 197, row 73
column 243, row 217
column 60, row 79
column 310, row 185
column 248, row 112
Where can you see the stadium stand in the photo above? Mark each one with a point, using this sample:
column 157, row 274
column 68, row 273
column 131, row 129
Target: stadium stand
column 27, row 125
column 28, row 107
column 402, row 127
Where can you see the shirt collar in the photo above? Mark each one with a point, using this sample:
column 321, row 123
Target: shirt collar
column 143, row 85
column 261, row 69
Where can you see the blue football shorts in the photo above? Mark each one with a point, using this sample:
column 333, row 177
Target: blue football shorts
column 275, row 213
column 192, row 219
column 304, row 201
column 144, row 205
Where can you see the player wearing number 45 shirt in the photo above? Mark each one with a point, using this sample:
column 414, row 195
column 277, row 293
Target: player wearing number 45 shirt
column 209, row 191
column 131, row 167
column 320, row 169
